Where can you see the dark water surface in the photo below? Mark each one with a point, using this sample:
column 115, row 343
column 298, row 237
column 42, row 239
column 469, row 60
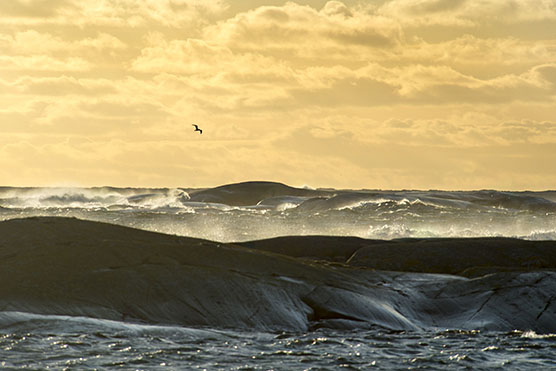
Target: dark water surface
column 257, row 210
column 42, row 342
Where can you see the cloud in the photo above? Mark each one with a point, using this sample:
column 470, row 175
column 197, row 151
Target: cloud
column 194, row 56
column 444, row 85
column 250, row 79
column 476, row 54
column 115, row 13
column 33, row 52
column 56, row 86
column 32, row 42
column 375, row 85
column 544, row 74
column 396, row 153
column 468, row 13
column 410, row 93
column 171, row 13
column 465, row 132
column 215, row 76
column 100, row 117
column 43, row 63
column 301, row 55
column 296, row 28
column 34, row 9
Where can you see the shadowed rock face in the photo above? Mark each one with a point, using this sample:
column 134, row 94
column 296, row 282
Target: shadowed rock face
column 74, row 267
column 328, row 248
column 469, row 257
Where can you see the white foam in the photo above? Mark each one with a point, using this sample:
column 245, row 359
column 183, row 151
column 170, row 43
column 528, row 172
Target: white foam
column 533, row 335
column 11, row 318
column 368, row 214
column 289, row 279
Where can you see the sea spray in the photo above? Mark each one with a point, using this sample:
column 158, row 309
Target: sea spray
column 257, row 210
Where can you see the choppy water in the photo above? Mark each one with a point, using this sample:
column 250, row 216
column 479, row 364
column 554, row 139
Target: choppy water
column 64, row 343
column 278, row 212
column 237, row 214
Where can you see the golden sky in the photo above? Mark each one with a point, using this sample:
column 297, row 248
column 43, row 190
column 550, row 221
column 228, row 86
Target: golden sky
column 394, row 94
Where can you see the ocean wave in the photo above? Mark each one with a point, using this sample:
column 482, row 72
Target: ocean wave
column 255, row 210
column 282, row 203
column 540, row 235
column 390, row 232
column 89, row 198
column 533, row 335
column 250, row 194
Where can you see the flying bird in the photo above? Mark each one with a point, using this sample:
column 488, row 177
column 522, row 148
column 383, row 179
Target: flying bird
column 197, row 129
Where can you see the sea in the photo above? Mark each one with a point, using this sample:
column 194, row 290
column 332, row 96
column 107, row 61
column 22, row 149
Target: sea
column 259, row 210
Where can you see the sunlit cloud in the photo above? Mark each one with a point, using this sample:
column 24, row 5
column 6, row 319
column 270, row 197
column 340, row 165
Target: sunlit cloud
column 389, row 94
column 43, row 63
column 469, row 13
column 297, row 27
column 56, row 86
column 118, row 13
column 33, row 42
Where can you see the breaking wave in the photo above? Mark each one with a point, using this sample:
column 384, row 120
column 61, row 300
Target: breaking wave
column 254, row 210
column 262, row 262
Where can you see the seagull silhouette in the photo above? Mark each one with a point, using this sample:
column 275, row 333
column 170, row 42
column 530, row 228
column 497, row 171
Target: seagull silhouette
column 197, row 129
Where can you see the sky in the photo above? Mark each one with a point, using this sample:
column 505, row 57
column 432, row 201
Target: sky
column 390, row 94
